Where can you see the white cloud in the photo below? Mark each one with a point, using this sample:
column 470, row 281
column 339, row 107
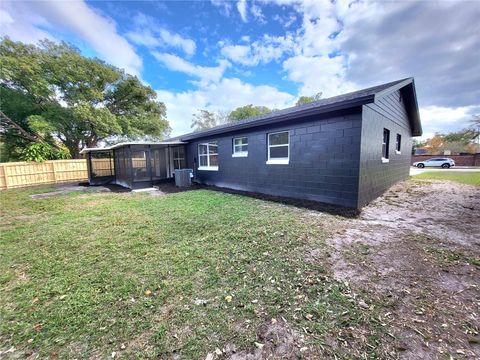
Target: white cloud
column 374, row 42
column 5, row 18
column 318, row 74
column 204, row 73
column 257, row 13
column 265, row 50
column 223, row 5
column 242, row 9
column 148, row 33
column 237, row 53
column 144, row 38
column 98, row 31
column 175, row 40
column 20, row 24
column 224, row 95
column 439, row 119
column 437, row 42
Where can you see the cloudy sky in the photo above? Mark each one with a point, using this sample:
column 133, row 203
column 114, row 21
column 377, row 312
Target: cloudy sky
column 218, row 55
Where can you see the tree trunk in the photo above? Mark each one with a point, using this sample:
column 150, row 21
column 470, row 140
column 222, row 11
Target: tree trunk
column 74, row 149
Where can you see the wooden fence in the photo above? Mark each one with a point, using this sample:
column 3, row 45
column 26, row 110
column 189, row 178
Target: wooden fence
column 21, row 174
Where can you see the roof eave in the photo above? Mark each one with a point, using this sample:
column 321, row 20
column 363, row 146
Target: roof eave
column 280, row 118
column 116, row 146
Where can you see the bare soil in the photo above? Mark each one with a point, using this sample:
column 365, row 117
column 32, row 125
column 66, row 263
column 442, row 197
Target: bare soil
column 418, row 249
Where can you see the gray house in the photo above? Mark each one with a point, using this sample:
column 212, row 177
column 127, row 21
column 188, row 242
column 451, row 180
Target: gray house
column 345, row 150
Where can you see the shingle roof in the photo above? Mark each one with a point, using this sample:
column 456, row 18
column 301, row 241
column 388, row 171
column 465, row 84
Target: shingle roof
column 343, row 101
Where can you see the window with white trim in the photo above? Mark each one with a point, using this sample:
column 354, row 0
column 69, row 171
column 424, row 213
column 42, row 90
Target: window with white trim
column 398, row 143
column 278, row 148
column 208, row 156
column 385, row 145
column 178, row 157
column 240, row 147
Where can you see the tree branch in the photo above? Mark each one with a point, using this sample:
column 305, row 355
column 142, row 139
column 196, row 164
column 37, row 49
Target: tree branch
column 23, row 132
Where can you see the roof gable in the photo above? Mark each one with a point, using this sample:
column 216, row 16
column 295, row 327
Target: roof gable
column 407, row 89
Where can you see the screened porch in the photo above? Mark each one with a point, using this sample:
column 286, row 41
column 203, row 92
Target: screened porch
column 134, row 165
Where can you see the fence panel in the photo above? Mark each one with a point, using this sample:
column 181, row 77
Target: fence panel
column 103, row 167
column 21, row 174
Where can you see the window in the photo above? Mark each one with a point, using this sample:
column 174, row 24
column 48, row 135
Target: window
column 208, row 156
column 278, row 148
column 178, row 157
column 398, row 144
column 385, row 145
column 240, row 147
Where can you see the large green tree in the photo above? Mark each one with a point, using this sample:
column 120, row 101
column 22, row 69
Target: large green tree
column 53, row 95
column 206, row 119
column 247, row 111
column 308, row 99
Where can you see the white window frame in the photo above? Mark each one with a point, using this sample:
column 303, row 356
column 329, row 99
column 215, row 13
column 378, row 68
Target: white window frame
column 236, row 153
column 387, row 146
column 208, row 167
column 278, row 161
column 398, row 144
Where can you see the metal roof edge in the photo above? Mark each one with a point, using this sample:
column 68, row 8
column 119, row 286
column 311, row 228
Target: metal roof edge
column 115, row 146
column 393, row 88
column 302, row 112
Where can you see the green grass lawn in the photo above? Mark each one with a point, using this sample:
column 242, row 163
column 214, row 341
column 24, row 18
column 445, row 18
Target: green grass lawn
column 82, row 274
column 472, row 178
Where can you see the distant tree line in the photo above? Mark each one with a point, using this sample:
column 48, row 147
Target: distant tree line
column 456, row 142
column 206, row 119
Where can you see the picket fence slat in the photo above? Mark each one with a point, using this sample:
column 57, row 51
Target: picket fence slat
column 21, row 174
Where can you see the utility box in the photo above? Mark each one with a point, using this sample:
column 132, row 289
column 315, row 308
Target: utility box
column 183, row 177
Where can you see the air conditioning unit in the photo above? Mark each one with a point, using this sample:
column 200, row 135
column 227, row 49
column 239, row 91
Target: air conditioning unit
column 183, row 177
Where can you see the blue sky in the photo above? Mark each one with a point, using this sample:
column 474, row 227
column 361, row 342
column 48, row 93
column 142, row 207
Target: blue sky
column 218, row 55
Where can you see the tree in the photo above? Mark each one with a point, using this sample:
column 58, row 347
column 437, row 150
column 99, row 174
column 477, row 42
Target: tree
column 476, row 121
column 463, row 136
column 417, row 144
column 435, row 144
column 204, row 119
column 247, row 111
column 308, row 99
column 54, row 95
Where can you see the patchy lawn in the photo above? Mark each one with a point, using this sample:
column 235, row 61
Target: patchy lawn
column 175, row 276
column 472, row 178
column 201, row 272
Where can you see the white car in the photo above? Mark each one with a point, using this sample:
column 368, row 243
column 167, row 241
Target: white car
column 435, row 162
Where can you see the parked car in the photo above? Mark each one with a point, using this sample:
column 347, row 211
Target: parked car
column 435, row 162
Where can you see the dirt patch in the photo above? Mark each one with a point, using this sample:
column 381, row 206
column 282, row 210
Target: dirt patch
column 63, row 190
column 276, row 341
column 417, row 249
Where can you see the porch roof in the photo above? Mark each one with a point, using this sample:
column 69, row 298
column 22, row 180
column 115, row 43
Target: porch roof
column 173, row 142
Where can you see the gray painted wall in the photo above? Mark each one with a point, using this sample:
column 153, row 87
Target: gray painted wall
column 324, row 160
column 375, row 176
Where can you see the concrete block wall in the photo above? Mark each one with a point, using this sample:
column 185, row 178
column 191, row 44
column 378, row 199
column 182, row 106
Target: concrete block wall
column 376, row 176
column 324, row 160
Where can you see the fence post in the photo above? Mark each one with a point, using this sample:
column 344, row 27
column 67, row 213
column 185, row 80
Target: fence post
column 6, row 177
column 54, row 172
